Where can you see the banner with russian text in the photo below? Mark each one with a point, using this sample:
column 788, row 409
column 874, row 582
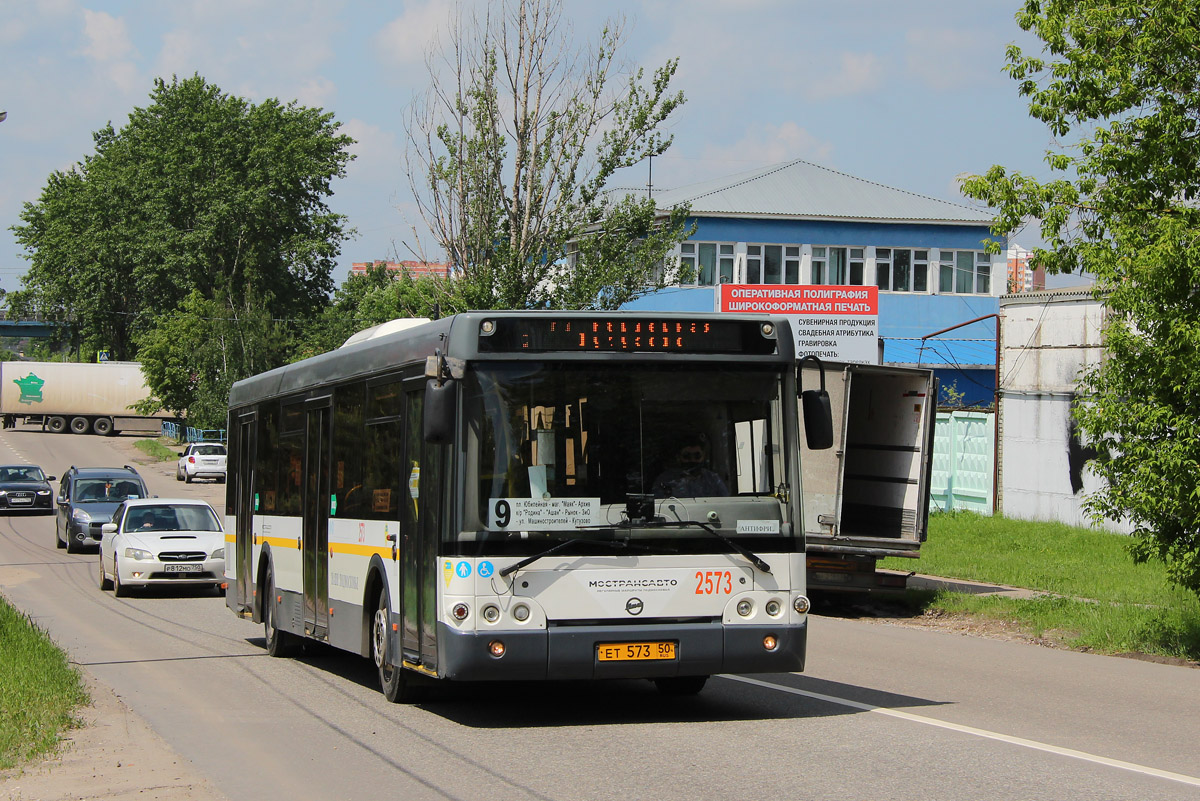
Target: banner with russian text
column 830, row 322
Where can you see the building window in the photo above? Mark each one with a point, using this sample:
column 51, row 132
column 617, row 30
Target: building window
column 965, row 272
column 837, row 265
column 710, row 262
column 902, row 269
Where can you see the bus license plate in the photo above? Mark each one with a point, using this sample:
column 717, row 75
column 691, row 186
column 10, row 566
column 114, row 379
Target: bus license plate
column 634, row 651
column 183, row 568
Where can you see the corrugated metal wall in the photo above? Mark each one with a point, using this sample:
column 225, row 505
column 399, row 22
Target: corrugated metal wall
column 964, row 451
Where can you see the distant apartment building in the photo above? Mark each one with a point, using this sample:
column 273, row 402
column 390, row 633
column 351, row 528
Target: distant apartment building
column 1021, row 277
column 413, row 268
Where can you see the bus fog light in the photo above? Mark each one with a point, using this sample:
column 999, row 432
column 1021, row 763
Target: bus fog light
column 496, row 648
column 460, row 611
column 773, row 607
column 768, row 329
column 744, row 607
column 491, row 613
column 801, row 604
column 770, row 643
column 521, row 612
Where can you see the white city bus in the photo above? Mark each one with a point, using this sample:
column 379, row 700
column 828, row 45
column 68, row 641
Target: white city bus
column 483, row 498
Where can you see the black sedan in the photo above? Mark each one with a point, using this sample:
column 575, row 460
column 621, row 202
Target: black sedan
column 25, row 486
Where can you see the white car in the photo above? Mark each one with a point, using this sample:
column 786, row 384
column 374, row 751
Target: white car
column 201, row 460
column 161, row 541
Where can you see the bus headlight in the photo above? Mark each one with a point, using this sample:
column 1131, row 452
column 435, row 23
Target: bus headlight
column 520, row 613
column 460, row 611
column 773, row 607
column 801, row 604
column 745, row 607
column 491, row 613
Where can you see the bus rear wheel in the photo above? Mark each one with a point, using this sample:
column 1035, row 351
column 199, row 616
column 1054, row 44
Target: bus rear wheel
column 681, row 685
column 394, row 680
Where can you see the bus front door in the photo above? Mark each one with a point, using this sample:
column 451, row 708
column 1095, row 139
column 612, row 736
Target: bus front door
column 315, row 546
column 241, row 489
column 420, row 533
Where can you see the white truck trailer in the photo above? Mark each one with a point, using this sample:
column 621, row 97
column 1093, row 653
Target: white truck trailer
column 867, row 497
column 76, row 397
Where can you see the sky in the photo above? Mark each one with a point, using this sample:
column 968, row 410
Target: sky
column 907, row 94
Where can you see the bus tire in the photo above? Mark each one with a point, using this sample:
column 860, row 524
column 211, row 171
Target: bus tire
column 280, row 643
column 80, row 425
column 680, row 685
column 103, row 426
column 56, row 425
column 394, row 680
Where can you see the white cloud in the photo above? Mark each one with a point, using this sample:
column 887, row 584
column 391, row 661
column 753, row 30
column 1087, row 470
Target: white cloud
column 857, row 73
column 405, row 40
column 769, row 144
column 375, row 149
column 317, row 92
column 945, row 59
column 107, row 37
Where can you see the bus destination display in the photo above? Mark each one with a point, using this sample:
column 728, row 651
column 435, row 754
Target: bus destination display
column 626, row 335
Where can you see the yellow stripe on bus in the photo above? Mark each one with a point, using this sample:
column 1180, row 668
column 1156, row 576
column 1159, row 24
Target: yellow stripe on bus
column 360, row 550
column 280, row 542
column 354, row 549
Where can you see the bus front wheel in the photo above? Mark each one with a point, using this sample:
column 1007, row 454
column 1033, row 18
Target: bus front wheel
column 279, row 642
column 394, row 680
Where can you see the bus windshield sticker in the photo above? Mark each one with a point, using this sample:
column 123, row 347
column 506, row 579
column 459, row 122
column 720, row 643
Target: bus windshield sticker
column 758, row 527
column 519, row 514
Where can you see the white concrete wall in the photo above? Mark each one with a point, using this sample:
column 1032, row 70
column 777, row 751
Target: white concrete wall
column 1047, row 339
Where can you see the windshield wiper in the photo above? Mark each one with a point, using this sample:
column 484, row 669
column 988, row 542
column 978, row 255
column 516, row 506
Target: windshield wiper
column 527, row 561
column 753, row 558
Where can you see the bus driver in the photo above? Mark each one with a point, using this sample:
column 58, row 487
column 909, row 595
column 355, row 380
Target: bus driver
column 690, row 478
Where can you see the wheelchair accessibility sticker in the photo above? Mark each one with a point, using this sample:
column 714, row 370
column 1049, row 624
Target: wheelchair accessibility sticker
column 485, row 569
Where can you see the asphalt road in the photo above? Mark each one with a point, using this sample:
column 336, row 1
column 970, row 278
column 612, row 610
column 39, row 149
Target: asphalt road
column 883, row 712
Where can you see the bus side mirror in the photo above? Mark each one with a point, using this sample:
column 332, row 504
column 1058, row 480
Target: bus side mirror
column 818, row 419
column 439, row 411
column 818, row 415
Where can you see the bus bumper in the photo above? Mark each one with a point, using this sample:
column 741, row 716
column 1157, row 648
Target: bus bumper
column 570, row 652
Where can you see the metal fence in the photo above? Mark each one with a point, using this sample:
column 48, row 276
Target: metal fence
column 964, row 452
column 181, row 433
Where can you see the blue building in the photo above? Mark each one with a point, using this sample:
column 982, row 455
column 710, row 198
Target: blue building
column 798, row 223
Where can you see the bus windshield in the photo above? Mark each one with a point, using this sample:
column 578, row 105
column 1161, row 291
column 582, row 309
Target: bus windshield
column 556, row 446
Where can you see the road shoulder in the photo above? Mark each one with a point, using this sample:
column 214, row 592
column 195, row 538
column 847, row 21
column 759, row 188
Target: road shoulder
column 113, row 755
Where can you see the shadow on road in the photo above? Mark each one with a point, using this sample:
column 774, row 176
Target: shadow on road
column 506, row 705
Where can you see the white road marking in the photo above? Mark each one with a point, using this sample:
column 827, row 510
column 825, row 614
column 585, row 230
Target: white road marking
column 990, row 735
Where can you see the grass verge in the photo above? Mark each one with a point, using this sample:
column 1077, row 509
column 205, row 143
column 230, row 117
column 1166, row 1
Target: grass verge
column 39, row 690
column 156, row 450
column 1100, row 600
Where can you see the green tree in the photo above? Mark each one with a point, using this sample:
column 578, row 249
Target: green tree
column 192, row 357
column 200, row 194
column 1119, row 82
column 513, row 150
column 369, row 299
